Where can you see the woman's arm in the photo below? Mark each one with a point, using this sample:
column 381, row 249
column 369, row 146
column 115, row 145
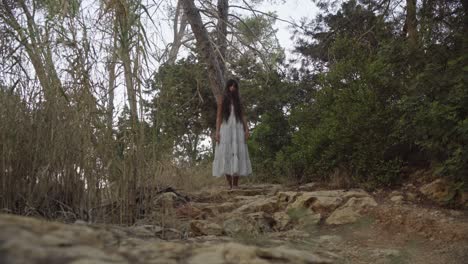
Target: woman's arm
column 219, row 117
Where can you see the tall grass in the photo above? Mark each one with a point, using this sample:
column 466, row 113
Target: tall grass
column 63, row 162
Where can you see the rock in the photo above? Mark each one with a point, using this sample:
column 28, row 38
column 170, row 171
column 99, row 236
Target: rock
column 291, row 255
column 303, row 217
column 455, row 213
column 294, row 234
column 236, row 225
column 398, row 199
column 325, row 202
column 285, row 198
column 411, row 196
column 210, row 196
column 385, row 256
column 29, row 240
column 263, row 221
column 145, row 231
column 354, row 193
column 343, row 216
column 351, row 211
column 282, row 220
column 247, row 199
column 80, row 222
column 249, row 223
column 217, row 209
column 238, row 253
column 308, row 187
column 318, row 201
column 144, row 251
column 189, row 211
column 169, row 234
column 268, row 205
column 202, row 227
column 359, row 204
column 247, row 192
column 437, row 190
column 329, row 240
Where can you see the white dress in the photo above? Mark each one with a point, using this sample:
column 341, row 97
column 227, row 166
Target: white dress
column 231, row 153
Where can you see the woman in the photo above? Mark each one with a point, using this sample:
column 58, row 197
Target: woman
column 231, row 153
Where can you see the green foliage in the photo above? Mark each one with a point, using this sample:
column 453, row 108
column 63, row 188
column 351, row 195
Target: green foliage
column 183, row 110
column 268, row 139
column 374, row 103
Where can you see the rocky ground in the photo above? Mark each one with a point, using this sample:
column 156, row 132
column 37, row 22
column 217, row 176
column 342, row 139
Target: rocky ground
column 256, row 224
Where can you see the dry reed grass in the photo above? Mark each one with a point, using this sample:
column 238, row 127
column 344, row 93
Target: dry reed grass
column 66, row 165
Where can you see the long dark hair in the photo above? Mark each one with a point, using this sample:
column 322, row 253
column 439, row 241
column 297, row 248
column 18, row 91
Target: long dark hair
column 234, row 98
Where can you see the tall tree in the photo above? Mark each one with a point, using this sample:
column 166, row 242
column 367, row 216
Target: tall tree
column 205, row 47
column 411, row 23
column 179, row 27
column 221, row 33
column 34, row 42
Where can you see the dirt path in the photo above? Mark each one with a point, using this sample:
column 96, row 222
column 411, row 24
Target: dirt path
column 258, row 224
column 390, row 232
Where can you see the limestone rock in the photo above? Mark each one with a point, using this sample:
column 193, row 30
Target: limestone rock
column 29, row 240
column 437, row 190
column 282, row 220
column 303, row 217
column 355, row 193
column 326, row 201
column 217, row 209
column 320, row 200
column 202, row 227
column 341, row 216
column 311, row 186
column 325, row 204
column 268, row 205
column 386, row 256
column 236, row 225
column 169, row 234
column 263, row 221
column 145, row 231
column 398, row 199
column 285, row 198
column 351, row 211
column 238, row 253
column 189, row 211
column 291, row 255
column 329, row 240
column 410, row 196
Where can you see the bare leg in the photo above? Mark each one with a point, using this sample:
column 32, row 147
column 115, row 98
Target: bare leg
column 229, row 180
column 236, row 181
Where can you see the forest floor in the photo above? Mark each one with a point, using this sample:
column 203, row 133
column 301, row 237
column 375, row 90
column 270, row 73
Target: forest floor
column 258, row 224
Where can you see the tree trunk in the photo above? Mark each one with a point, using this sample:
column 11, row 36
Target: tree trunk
column 125, row 20
column 41, row 59
column 112, row 77
column 221, row 33
column 411, row 23
column 179, row 33
column 204, row 45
